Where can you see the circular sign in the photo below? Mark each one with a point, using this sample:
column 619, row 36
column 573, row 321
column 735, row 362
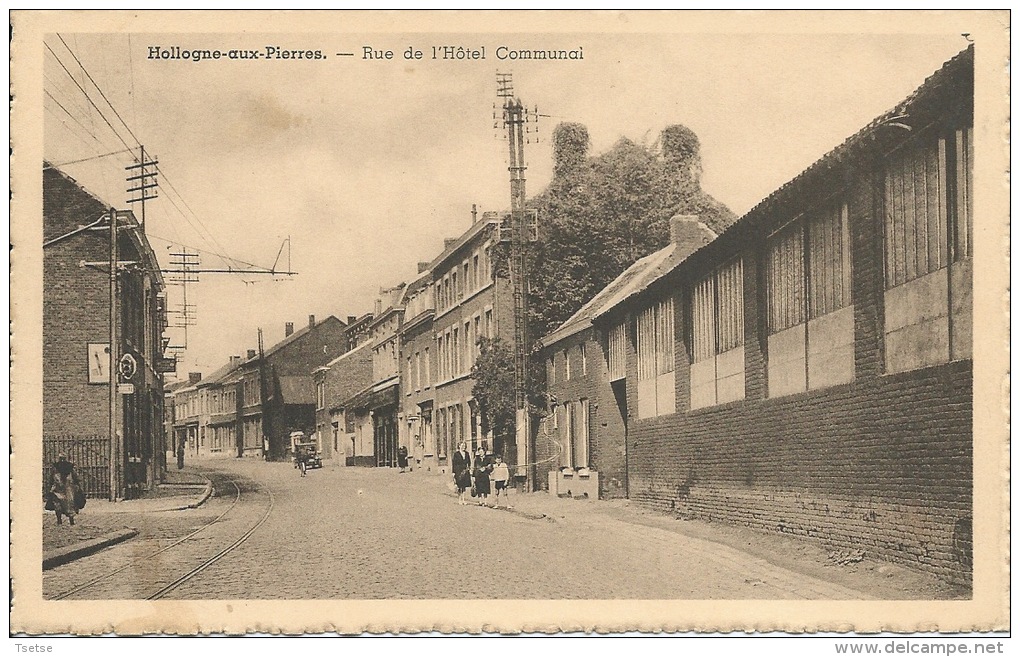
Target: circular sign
column 128, row 366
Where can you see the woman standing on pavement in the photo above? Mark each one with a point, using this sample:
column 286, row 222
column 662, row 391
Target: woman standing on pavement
column 483, row 466
column 66, row 495
column 462, row 471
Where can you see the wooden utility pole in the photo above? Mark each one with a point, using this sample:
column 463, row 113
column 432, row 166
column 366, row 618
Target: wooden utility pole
column 514, row 117
column 113, row 369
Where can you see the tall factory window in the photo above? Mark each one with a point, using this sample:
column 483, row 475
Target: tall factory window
column 810, row 316
column 717, row 336
column 928, row 252
column 656, row 364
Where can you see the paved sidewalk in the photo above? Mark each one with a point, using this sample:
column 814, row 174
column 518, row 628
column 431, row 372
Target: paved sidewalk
column 103, row 523
column 877, row 578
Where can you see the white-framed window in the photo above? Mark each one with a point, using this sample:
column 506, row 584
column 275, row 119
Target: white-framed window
column 717, row 336
column 567, row 436
column 928, row 236
column 582, row 434
column 428, row 369
column 320, row 395
column 809, row 312
column 566, row 364
column 656, row 363
column 552, row 369
column 584, row 359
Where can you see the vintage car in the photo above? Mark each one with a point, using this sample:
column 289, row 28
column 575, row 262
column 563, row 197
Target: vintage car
column 306, row 449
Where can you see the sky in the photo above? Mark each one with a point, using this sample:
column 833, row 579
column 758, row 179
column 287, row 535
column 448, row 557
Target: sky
column 367, row 165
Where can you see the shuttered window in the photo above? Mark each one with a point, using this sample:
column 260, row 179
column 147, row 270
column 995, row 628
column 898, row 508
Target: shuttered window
column 703, row 320
column 655, row 340
column 717, row 335
column 785, row 272
column 664, row 337
column 829, row 258
column 915, row 213
column 730, row 295
column 928, row 224
column 646, row 343
column 808, row 274
column 617, row 352
column 656, row 360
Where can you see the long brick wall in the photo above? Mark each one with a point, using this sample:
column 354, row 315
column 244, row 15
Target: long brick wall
column 882, row 464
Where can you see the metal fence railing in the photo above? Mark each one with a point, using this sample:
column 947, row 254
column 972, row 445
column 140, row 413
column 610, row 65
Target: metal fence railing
column 90, row 456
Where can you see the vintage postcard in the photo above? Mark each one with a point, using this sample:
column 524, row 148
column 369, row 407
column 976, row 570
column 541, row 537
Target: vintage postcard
column 513, row 321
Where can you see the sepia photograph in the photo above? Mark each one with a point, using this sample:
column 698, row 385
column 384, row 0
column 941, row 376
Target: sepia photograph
column 508, row 322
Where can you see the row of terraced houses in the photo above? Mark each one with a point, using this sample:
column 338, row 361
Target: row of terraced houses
column 808, row 371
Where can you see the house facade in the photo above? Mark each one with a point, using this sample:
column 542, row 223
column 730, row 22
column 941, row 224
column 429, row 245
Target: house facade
column 77, row 400
column 259, row 397
column 580, row 444
column 335, row 382
column 810, row 371
column 471, row 302
column 416, row 355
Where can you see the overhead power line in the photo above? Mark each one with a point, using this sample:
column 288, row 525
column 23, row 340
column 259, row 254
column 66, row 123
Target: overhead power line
column 87, row 96
column 99, row 89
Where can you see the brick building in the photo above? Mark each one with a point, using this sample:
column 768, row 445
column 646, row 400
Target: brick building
column 336, row 382
column 579, row 446
column 258, row 397
column 76, row 343
column 417, row 355
column 470, row 302
column 810, row 371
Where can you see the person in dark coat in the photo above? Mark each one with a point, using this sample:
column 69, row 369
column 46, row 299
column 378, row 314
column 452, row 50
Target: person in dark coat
column 64, row 489
column 483, row 466
column 402, row 458
column 462, row 471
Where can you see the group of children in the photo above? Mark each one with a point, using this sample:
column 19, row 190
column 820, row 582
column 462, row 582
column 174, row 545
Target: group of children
column 486, row 473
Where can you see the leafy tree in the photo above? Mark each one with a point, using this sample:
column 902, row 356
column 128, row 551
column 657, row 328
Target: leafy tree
column 493, row 389
column 599, row 214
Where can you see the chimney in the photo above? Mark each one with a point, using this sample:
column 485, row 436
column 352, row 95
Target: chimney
column 288, row 328
column 251, row 354
column 378, row 307
column 311, row 321
column 235, row 361
column 688, row 234
column 448, row 241
column 423, row 266
column 351, row 319
column 194, row 377
column 474, row 213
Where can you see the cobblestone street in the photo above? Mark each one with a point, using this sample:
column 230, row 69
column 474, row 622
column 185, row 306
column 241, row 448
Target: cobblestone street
column 369, row 533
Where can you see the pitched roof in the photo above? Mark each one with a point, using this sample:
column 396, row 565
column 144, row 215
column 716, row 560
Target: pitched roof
column 296, row 335
column 611, row 295
column 934, row 86
column 221, row 375
column 347, row 354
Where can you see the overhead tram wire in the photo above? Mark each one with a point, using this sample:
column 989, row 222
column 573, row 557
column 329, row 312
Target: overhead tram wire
column 166, row 179
column 88, row 159
column 219, row 255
